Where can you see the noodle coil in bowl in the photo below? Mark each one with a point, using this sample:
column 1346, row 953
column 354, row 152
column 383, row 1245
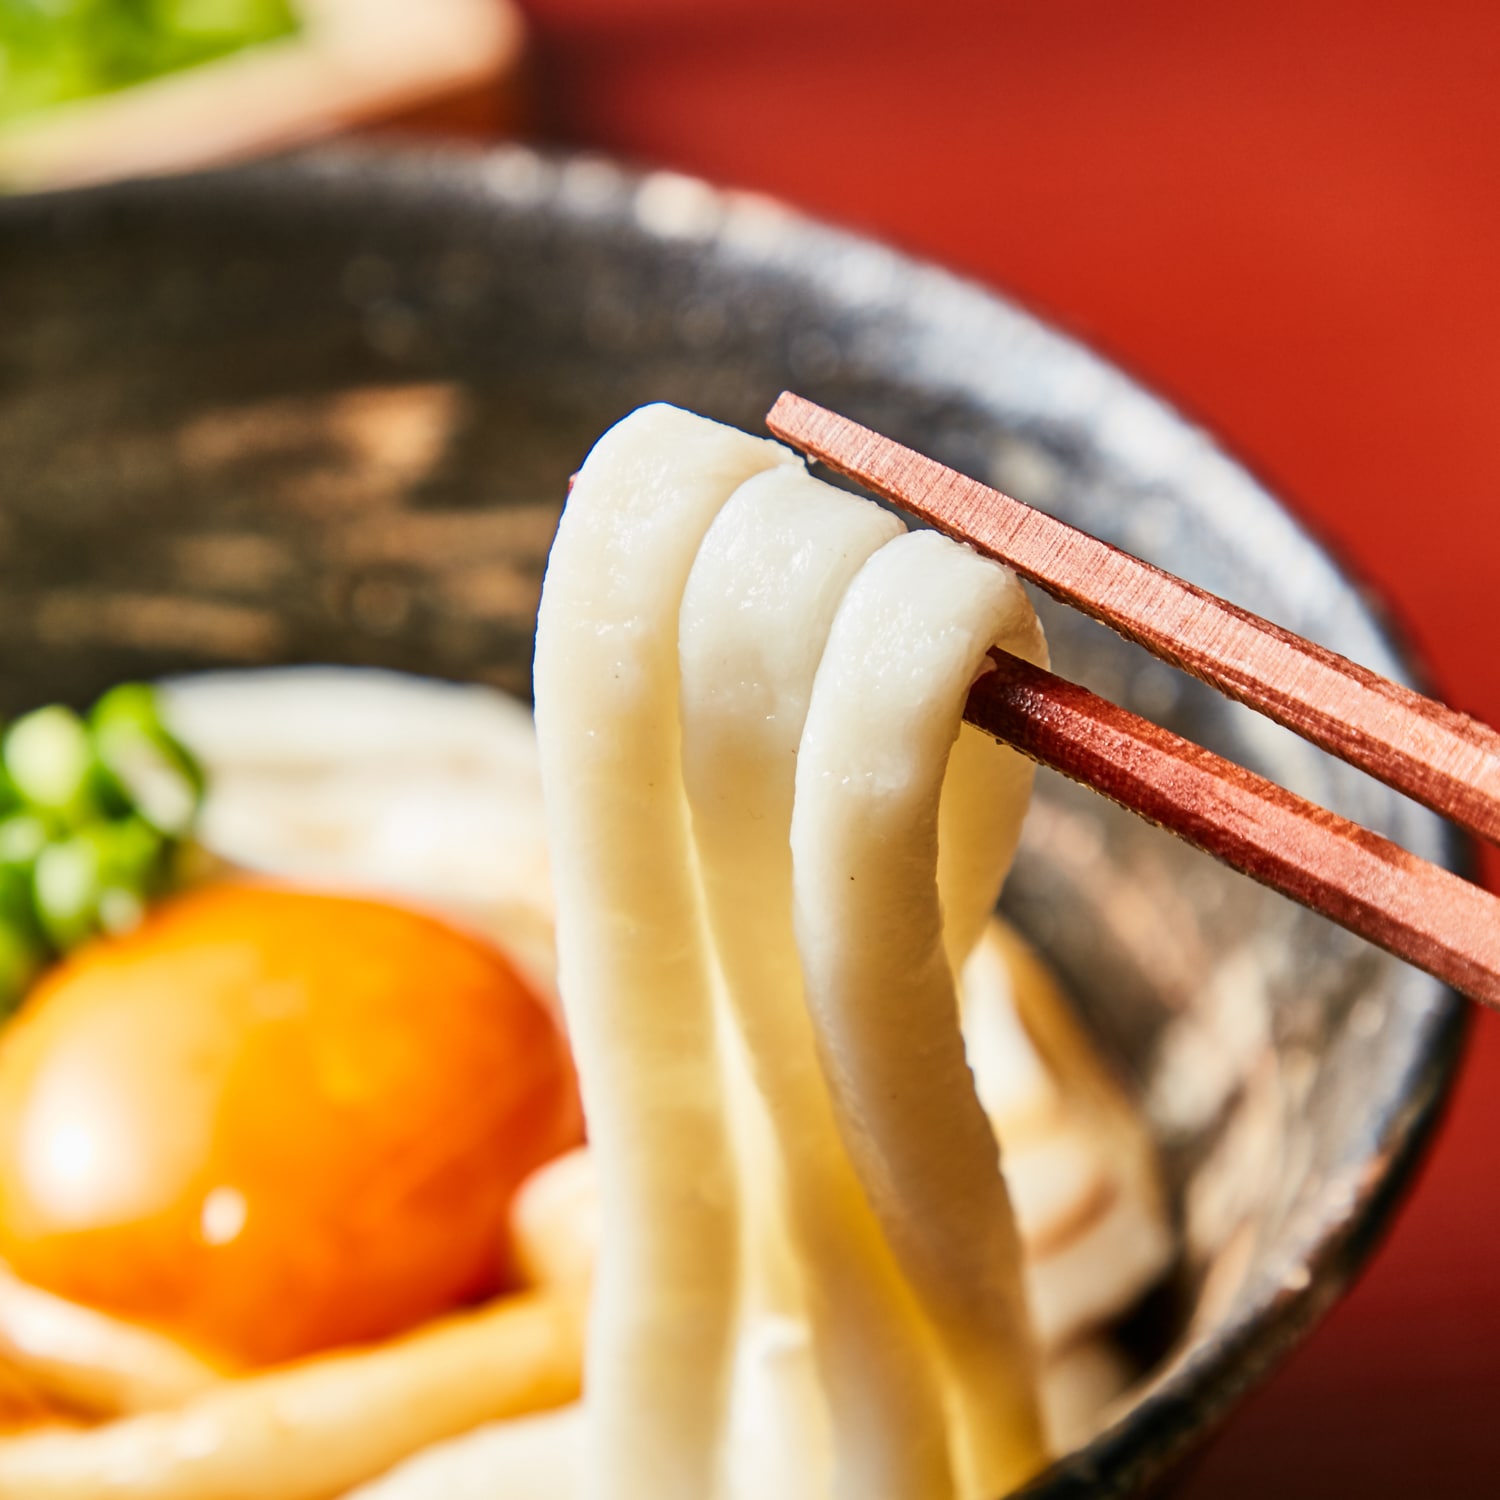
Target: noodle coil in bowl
column 325, row 412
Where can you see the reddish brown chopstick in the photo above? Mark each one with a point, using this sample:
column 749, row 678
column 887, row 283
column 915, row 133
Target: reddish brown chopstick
column 1423, row 914
column 1419, row 912
column 1430, row 752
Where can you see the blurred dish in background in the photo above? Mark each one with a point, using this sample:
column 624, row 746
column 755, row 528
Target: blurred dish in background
column 97, row 89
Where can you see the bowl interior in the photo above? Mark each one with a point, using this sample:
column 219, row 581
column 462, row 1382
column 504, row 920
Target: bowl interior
column 325, row 410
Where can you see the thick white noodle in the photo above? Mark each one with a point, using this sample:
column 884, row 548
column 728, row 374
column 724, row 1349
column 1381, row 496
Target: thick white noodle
column 526, row 1458
column 757, row 610
column 635, row 965
column 540, row 1457
column 984, row 801
column 907, row 642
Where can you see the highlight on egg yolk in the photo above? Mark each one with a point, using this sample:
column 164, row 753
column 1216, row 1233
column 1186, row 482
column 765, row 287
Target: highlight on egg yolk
column 272, row 1121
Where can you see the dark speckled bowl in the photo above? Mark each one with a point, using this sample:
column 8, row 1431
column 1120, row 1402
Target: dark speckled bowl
column 326, row 409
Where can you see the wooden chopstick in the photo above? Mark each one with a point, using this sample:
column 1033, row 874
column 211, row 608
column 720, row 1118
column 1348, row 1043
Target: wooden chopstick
column 1421, row 913
column 1414, row 909
column 1432, row 753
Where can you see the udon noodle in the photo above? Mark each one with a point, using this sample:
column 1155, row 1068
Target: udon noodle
column 749, row 696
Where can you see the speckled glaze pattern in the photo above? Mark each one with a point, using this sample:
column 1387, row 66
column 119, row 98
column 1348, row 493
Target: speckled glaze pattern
column 325, row 410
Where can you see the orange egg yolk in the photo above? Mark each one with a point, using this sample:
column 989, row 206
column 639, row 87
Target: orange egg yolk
column 272, row 1121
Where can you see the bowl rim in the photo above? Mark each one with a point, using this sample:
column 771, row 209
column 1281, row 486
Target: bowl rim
column 1179, row 1409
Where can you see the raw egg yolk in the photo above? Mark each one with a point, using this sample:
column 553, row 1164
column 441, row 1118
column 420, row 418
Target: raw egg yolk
column 273, row 1121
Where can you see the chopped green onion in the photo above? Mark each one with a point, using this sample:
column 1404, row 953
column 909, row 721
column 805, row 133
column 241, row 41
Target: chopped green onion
column 131, row 706
column 93, row 814
column 15, row 898
column 23, row 836
column 120, row 909
column 130, row 853
column 99, row 879
column 21, row 959
column 153, row 770
column 50, row 761
column 66, row 889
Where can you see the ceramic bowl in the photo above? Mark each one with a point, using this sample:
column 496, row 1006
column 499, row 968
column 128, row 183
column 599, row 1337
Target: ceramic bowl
column 325, row 410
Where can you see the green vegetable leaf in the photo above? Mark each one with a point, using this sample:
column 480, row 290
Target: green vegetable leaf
column 54, row 51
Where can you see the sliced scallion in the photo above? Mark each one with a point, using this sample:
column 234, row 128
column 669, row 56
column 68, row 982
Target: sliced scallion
column 93, row 816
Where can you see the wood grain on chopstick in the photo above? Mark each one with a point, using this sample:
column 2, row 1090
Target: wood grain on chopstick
column 1430, row 752
column 1421, row 913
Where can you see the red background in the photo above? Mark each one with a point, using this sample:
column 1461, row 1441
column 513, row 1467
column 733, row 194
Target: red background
column 1285, row 216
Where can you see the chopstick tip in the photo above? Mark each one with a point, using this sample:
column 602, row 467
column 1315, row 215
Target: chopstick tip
column 782, row 419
